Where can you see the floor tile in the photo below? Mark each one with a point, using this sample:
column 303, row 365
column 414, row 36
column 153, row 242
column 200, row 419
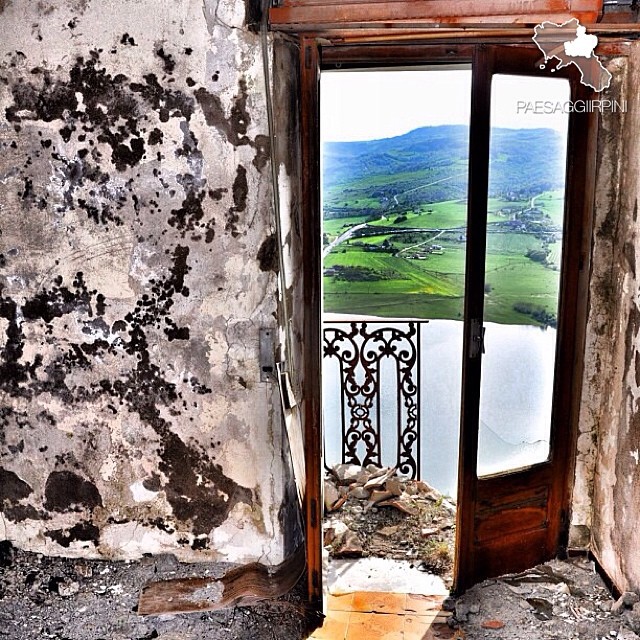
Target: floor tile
column 418, row 627
column 342, row 602
column 375, row 626
column 419, row 603
column 425, row 628
column 334, row 626
column 379, row 602
column 443, row 616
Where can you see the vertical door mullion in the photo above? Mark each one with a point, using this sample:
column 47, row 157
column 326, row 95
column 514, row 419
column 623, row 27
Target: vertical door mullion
column 479, row 135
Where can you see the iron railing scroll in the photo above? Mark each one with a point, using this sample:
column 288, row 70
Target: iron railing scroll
column 360, row 348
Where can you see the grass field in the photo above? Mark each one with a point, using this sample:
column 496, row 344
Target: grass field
column 334, row 227
column 510, row 280
column 430, row 284
column 552, row 203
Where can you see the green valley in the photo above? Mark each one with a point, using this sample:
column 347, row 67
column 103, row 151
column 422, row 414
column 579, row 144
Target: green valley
column 395, row 225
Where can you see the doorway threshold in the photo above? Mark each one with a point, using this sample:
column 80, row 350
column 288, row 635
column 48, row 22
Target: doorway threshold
column 344, row 576
column 382, row 598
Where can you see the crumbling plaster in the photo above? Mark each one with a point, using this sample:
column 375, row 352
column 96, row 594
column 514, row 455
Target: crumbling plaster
column 606, row 501
column 135, row 207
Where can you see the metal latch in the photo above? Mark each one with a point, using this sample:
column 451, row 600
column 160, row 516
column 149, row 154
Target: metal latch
column 476, row 346
column 267, row 360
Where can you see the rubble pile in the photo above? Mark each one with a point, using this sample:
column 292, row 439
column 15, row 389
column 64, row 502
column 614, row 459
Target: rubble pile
column 559, row 599
column 375, row 511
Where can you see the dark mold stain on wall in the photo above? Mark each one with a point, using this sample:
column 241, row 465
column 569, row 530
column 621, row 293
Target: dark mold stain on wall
column 240, row 191
column 14, row 491
column 234, row 127
column 66, row 491
column 83, row 532
column 101, row 152
column 198, row 490
column 268, row 254
column 12, row 488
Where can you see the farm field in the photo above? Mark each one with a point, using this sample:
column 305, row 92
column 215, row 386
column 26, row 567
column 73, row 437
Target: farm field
column 420, row 272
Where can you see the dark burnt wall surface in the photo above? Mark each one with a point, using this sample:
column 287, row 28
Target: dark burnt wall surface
column 610, row 416
column 134, row 277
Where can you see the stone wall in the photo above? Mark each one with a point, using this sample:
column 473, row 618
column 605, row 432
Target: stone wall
column 602, row 308
column 137, row 267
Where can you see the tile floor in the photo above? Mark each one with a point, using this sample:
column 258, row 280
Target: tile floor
column 384, row 616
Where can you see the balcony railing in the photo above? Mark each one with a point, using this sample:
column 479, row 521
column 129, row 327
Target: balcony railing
column 378, row 404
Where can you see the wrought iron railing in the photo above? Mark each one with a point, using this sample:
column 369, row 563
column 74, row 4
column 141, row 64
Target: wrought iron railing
column 360, row 348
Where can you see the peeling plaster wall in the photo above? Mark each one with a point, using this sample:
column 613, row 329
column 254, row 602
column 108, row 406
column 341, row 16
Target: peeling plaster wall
column 287, row 157
column 136, row 221
column 603, row 309
column 607, row 488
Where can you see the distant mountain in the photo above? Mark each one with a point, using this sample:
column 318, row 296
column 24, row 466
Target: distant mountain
column 432, row 163
column 526, row 161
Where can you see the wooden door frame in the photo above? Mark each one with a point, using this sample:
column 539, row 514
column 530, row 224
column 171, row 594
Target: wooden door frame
column 312, row 298
column 312, row 57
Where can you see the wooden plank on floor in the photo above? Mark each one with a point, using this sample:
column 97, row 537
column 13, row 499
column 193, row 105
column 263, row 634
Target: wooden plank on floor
column 242, row 586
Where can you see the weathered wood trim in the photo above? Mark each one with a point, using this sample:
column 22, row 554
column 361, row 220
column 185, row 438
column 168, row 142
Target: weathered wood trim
column 327, row 15
column 311, row 239
column 479, row 138
column 243, row 586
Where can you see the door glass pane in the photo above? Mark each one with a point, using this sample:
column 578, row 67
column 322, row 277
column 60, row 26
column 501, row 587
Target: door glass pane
column 529, row 120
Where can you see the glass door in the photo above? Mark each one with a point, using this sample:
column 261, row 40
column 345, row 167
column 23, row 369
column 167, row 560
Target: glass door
column 524, row 315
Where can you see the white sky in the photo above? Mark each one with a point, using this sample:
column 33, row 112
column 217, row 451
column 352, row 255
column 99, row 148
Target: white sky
column 369, row 105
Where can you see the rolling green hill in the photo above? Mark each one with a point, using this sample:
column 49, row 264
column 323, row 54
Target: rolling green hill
column 430, row 164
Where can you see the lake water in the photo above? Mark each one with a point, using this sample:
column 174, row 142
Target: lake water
column 515, row 403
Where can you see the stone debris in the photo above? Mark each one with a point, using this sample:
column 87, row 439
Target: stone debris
column 556, row 600
column 331, row 495
column 377, row 495
column 66, row 599
column 399, row 505
column 375, row 511
column 626, row 601
column 349, row 546
column 68, row 588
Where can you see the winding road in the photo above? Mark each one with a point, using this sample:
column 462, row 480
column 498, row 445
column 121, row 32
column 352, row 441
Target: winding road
column 341, row 238
column 413, row 246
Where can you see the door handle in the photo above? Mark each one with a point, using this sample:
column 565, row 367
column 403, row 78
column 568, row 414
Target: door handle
column 476, row 346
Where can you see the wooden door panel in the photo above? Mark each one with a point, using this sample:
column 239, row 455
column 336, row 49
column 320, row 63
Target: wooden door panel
column 511, row 523
column 512, row 554
column 517, row 512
